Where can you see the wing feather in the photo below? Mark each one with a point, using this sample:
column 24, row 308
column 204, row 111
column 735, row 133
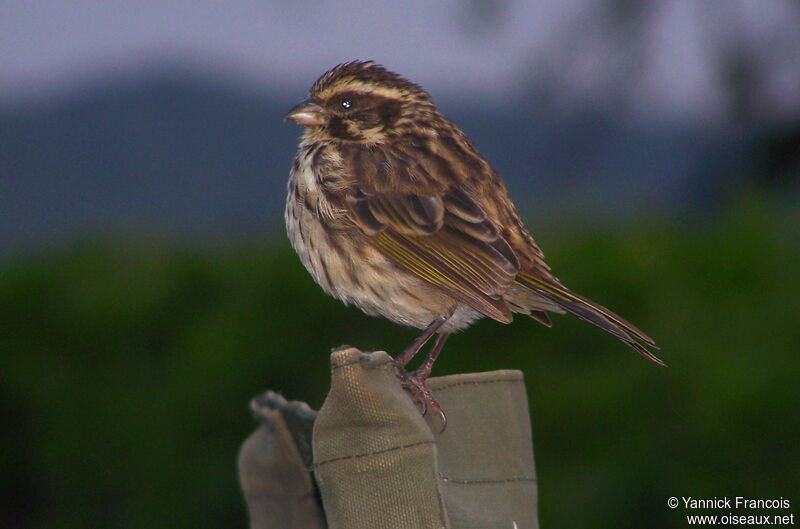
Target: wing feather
column 413, row 206
column 439, row 233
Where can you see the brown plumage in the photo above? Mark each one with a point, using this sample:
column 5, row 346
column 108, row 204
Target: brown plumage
column 391, row 208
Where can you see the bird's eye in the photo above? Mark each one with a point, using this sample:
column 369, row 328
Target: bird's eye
column 347, row 103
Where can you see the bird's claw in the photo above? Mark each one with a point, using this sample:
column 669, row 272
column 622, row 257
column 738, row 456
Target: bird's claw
column 416, row 384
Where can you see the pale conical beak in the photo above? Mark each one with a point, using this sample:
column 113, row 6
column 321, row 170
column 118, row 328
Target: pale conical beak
column 307, row 113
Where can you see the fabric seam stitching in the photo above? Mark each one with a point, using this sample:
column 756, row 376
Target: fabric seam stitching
column 378, row 452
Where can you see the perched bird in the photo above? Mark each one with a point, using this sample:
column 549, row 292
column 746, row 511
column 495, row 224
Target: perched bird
column 391, row 208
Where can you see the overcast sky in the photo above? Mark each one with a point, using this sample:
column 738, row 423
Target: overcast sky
column 52, row 47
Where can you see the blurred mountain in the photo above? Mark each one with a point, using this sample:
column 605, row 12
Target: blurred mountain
column 187, row 157
column 166, row 154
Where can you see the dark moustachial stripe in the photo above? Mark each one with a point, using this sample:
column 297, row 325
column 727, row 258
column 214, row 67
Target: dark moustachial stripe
column 339, row 128
column 316, row 157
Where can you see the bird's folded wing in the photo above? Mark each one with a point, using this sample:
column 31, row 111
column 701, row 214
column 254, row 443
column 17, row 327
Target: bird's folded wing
column 443, row 238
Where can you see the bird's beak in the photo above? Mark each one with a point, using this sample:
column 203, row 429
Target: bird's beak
column 307, row 113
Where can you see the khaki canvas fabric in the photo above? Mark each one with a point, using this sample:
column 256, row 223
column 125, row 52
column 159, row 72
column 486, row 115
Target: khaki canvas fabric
column 378, row 464
column 278, row 488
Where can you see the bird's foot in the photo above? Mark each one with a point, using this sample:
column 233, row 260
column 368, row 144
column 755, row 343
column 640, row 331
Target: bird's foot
column 416, row 383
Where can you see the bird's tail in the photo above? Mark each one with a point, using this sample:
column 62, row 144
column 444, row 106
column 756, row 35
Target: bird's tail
column 593, row 313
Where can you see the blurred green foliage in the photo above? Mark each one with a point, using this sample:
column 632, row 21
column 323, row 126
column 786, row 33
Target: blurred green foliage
column 127, row 367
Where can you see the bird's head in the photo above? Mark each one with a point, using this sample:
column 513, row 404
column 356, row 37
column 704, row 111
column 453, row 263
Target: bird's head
column 362, row 102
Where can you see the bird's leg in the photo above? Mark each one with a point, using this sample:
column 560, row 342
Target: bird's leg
column 416, row 383
column 402, row 360
column 424, row 370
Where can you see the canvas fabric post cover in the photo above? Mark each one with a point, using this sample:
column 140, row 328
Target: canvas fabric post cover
column 369, row 460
